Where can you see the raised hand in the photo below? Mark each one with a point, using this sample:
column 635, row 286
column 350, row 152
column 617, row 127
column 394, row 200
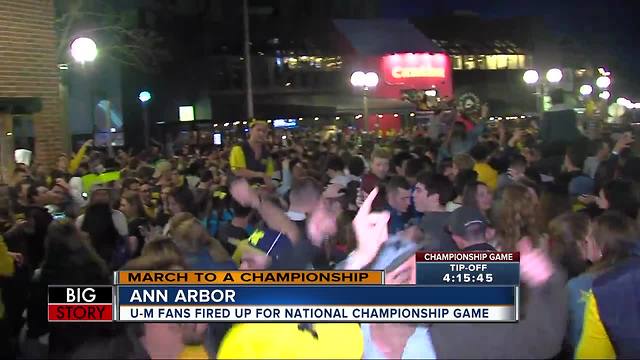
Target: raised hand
column 624, row 142
column 17, row 257
column 371, row 232
column 244, row 194
column 535, row 265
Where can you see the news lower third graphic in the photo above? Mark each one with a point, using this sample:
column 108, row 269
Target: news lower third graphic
column 450, row 288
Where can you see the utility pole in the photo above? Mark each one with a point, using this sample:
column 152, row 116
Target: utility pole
column 247, row 58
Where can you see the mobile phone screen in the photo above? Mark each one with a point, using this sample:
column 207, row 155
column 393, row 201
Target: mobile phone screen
column 217, row 139
column 59, row 216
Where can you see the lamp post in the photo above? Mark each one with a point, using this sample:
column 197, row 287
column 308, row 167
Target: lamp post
column 586, row 90
column 83, row 50
column 144, row 98
column 531, row 77
column 359, row 79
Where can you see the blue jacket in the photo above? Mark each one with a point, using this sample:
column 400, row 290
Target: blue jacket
column 618, row 297
column 578, row 288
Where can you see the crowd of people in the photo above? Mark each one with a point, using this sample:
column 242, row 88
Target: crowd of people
column 568, row 204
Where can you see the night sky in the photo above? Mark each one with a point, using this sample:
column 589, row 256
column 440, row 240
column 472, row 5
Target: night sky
column 605, row 27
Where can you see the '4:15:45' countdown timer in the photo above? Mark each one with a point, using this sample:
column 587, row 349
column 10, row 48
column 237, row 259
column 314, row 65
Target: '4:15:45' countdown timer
column 467, row 278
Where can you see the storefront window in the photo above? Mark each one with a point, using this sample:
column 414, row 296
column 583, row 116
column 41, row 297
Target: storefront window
column 309, row 63
column 456, row 62
column 490, row 62
column 469, row 62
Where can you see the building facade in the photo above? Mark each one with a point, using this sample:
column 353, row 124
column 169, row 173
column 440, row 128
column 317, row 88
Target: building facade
column 28, row 68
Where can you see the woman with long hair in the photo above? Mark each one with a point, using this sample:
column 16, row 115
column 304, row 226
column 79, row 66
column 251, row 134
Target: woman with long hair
column 201, row 251
column 131, row 206
column 107, row 229
column 567, row 232
column 611, row 239
column 515, row 216
column 69, row 260
column 478, row 195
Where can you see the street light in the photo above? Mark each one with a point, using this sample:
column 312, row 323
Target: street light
column 603, row 82
column 83, row 49
column 554, row 75
column 359, row 79
column 586, row 90
column 371, row 79
column 144, row 98
column 530, row 77
column 605, row 95
column 624, row 102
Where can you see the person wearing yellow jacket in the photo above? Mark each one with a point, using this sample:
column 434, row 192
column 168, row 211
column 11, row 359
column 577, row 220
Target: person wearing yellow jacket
column 251, row 159
column 594, row 343
column 292, row 341
column 7, row 269
column 612, row 316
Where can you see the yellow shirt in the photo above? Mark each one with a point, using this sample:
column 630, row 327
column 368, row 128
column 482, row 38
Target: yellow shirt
column 287, row 341
column 194, row 352
column 487, row 175
column 6, row 269
column 237, row 160
column 594, row 342
column 150, row 210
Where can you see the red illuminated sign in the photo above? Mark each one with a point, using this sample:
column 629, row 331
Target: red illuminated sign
column 399, row 72
column 398, row 68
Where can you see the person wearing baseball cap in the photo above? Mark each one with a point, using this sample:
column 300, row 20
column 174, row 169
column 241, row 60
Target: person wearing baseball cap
column 470, row 230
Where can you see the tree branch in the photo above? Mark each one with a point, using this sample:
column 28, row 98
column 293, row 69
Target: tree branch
column 131, row 45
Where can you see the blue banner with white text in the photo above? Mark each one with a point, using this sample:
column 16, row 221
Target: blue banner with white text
column 316, row 295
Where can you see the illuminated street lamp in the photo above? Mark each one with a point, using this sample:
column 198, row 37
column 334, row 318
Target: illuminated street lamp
column 84, row 49
column 603, row 82
column 605, row 95
column 530, row 77
column 144, row 98
column 554, row 75
column 586, row 90
column 371, row 80
column 625, row 102
column 359, row 79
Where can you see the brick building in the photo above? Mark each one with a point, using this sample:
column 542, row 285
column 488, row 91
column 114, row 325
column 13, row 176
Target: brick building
column 28, row 68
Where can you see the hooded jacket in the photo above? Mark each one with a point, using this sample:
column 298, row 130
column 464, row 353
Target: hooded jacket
column 538, row 334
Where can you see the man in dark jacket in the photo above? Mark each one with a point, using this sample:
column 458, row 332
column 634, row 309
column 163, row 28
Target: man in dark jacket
column 559, row 124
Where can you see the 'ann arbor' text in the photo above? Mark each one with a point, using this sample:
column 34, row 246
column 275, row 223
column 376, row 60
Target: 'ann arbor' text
column 183, row 296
